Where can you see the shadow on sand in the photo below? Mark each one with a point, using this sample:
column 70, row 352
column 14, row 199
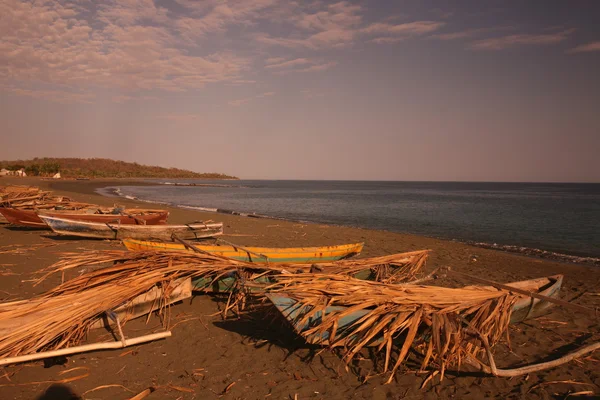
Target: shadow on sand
column 59, row 392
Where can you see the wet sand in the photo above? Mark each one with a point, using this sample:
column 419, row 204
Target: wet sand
column 259, row 354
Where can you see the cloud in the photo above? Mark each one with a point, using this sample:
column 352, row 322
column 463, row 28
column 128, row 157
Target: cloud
column 123, row 98
column 341, row 25
column 410, row 28
column 212, row 16
column 318, row 67
column 508, row 41
column 57, row 96
column 239, row 102
column 274, row 60
column 53, row 43
column 133, row 46
column 586, row 48
column 457, row 35
column 387, row 40
column 307, row 66
column 290, row 63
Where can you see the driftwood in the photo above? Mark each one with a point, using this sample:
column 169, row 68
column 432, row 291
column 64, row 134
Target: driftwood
column 85, row 348
column 527, row 369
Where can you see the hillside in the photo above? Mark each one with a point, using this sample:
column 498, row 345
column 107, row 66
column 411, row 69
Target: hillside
column 101, row 168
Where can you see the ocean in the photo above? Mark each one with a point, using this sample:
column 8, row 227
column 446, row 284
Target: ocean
column 531, row 218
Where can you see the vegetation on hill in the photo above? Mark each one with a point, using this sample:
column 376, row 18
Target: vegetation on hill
column 101, row 168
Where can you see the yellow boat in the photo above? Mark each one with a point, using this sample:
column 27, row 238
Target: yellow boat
column 306, row 255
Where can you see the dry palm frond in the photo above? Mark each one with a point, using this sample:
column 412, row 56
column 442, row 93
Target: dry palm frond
column 31, row 197
column 397, row 268
column 436, row 322
column 62, row 316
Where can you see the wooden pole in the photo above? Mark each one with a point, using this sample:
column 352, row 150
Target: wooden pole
column 243, row 249
column 84, row 348
column 524, row 292
column 139, row 221
column 527, row 369
column 143, row 394
column 189, row 245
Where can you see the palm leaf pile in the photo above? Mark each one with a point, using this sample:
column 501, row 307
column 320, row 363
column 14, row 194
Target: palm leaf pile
column 32, row 197
column 395, row 268
column 62, row 316
column 441, row 325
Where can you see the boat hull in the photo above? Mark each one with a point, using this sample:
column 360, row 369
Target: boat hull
column 301, row 255
column 151, row 217
column 66, row 227
column 23, row 218
column 528, row 307
column 522, row 310
column 30, row 218
column 304, row 255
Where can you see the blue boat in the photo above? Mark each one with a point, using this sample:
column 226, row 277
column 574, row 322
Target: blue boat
column 524, row 308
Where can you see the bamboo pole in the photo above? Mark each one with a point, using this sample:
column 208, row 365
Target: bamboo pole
column 527, row 369
column 243, row 249
column 523, row 292
column 84, row 348
column 189, row 245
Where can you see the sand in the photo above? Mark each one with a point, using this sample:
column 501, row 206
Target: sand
column 259, row 357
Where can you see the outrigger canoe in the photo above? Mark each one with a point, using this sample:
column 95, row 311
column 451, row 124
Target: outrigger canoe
column 394, row 268
column 525, row 308
column 30, row 218
column 300, row 255
column 95, row 230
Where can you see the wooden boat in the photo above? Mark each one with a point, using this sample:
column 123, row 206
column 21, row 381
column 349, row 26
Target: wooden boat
column 525, row 308
column 392, row 268
column 69, row 227
column 148, row 302
column 31, row 218
column 303, row 255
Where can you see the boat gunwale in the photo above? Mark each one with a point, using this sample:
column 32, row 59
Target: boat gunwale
column 223, row 248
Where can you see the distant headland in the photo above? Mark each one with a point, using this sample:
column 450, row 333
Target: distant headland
column 99, row 168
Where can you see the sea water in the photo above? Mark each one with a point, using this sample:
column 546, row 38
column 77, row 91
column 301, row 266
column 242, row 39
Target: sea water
column 553, row 217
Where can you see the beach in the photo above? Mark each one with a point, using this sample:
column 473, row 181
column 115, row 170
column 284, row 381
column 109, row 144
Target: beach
column 258, row 356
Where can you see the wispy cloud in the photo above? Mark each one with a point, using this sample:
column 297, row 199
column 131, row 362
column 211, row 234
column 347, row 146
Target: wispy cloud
column 469, row 33
column 57, row 96
column 409, row 28
column 387, row 40
column 124, row 99
column 283, row 67
column 341, row 25
column 586, row 48
column 318, row 67
column 458, row 34
column 504, row 42
column 240, row 102
column 289, row 63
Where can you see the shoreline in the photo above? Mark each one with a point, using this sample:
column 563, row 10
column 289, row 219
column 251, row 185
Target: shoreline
column 114, row 191
column 269, row 359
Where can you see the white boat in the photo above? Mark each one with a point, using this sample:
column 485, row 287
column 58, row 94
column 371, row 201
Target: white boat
column 68, row 227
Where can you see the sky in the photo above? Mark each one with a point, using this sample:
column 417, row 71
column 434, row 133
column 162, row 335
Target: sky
column 271, row 89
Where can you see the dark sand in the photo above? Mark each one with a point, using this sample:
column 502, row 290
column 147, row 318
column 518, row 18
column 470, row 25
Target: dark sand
column 259, row 357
